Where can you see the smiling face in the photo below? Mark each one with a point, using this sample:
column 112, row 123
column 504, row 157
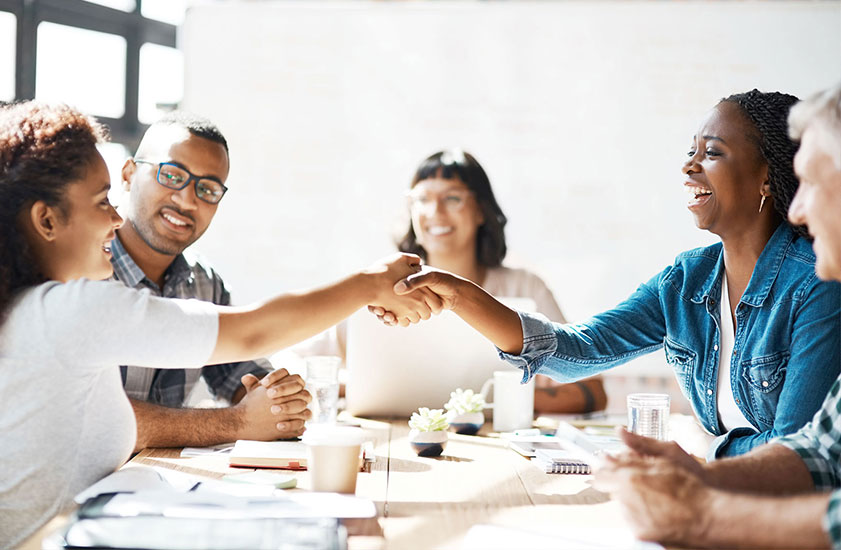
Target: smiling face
column 82, row 239
column 445, row 217
column 169, row 221
column 726, row 174
column 817, row 203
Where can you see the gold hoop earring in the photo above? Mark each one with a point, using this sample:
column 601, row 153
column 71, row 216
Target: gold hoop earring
column 762, row 203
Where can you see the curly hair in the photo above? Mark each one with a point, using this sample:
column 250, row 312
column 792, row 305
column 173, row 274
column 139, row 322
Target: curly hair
column 768, row 111
column 42, row 149
column 457, row 164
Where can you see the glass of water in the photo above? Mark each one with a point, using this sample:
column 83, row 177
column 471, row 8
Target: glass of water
column 648, row 415
column 323, row 385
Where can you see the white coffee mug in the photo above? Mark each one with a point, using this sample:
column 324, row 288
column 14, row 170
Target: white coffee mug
column 513, row 403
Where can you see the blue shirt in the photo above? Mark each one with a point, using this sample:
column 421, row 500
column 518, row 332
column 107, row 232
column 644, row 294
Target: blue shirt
column 187, row 277
column 786, row 355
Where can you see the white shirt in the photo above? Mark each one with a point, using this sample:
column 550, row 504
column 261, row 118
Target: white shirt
column 65, row 419
column 729, row 414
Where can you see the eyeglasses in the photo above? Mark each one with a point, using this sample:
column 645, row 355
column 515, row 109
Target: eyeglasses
column 422, row 201
column 174, row 177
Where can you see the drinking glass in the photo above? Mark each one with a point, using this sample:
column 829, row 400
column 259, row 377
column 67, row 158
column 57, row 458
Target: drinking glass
column 648, row 415
column 323, row 384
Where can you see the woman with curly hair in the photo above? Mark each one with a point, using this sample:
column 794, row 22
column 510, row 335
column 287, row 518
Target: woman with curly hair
column 65, row 419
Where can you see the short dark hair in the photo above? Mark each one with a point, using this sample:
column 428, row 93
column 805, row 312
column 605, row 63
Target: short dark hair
column 457, row 164
column 42, row 149
column 195, row 124
column 768, row 111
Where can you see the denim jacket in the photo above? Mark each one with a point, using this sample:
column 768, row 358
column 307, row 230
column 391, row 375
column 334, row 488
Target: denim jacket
column 787, row 349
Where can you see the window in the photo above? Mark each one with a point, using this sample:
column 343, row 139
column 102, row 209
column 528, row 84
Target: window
column 85, row 69
column 88, row 54
column 122, row 5
column 161, row 81
column 8, row 35
column 171, row 11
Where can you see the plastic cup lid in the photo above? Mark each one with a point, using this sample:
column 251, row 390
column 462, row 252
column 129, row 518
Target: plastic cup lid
column 333, row 435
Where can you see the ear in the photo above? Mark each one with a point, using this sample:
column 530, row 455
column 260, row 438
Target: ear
column 766, row 189
column 44, row 220
column 127, row 173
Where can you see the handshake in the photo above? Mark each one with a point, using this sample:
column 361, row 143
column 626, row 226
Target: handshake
column 407, row 293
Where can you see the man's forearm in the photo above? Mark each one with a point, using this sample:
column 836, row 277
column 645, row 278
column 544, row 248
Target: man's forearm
column 747, row 521
column 159, row 426
column 770, row 469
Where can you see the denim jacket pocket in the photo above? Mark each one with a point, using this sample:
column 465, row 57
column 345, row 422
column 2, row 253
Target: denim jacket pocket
column 682, row 360
column 765, row 376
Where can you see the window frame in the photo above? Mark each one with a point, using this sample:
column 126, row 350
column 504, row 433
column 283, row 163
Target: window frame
column 132, row 26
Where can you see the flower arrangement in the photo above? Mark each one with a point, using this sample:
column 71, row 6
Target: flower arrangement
column 463, row 402
column 464, row 411
column 429, row 420
column 429, row 432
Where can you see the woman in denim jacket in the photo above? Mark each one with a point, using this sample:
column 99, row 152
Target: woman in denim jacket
column 750, row 331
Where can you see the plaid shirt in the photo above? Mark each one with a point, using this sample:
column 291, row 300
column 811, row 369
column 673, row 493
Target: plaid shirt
column 819, row 445
column 186, row 277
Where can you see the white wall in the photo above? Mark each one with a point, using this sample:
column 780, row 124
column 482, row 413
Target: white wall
column 581, row 112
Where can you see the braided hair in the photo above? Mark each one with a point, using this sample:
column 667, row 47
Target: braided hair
column 42, row 149
column 769, row 114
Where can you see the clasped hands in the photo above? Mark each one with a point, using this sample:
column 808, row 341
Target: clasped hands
column 274, row 407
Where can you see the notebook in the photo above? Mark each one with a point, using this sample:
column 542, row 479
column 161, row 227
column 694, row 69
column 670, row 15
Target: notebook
column 289, row 455
column 392, row 371
column 560, row 461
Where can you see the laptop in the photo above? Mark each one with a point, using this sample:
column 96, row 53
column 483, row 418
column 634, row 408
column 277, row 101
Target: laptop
column 392, row 371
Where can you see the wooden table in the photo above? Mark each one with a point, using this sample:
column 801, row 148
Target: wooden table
column 427, row 503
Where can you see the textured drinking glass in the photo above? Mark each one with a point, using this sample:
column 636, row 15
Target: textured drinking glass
column 323, row 384
column 648, row 415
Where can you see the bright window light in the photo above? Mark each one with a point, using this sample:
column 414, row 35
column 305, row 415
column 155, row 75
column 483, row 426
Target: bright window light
column 122, row 5
column 8, row 34
column 161, row 81
column 169, row 11
column 85, row 69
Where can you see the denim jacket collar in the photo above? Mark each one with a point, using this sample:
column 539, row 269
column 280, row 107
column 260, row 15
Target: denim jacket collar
column 764, row 273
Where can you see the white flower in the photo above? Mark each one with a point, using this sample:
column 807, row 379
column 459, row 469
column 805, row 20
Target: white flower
column 463, row 402
column 426, row 420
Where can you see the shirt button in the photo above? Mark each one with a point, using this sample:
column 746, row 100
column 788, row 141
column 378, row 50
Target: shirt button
column 715, row 347
column 709, row 392
column 764, row 383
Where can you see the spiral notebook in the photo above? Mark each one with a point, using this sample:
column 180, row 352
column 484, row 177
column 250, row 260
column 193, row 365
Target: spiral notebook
column 560, row 461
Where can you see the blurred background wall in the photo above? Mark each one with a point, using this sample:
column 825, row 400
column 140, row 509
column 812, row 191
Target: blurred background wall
column 581, row 113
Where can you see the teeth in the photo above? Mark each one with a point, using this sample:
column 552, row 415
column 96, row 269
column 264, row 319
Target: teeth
column 439, row 230
column 695, row 191
column 174, row 220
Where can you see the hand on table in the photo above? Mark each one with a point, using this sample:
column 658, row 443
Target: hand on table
column 408, row 307
column 441, row 285
column 274, row 407
column 660, row 499
column 668, row 450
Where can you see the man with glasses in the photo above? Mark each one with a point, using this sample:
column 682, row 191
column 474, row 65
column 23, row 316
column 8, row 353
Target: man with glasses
column 175, row 183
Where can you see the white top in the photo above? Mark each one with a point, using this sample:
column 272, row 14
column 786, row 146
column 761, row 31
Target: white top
column 499, row 281
column 65, row 420
column 729, row 414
